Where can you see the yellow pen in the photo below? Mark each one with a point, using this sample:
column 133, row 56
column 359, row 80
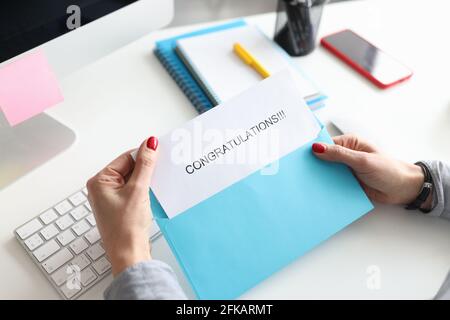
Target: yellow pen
column 250, row 60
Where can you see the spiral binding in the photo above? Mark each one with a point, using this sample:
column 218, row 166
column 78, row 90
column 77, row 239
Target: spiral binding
column 183, row 78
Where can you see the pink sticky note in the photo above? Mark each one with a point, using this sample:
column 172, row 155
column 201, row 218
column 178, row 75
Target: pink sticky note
column 27, row 87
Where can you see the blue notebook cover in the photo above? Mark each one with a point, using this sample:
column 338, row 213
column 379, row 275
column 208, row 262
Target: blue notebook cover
column 165, row 52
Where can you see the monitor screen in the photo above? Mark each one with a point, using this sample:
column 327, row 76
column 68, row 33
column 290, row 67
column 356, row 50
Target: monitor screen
column 25, row 24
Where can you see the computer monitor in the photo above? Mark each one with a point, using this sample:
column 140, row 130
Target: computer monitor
column 72, row 34
column 50, row 24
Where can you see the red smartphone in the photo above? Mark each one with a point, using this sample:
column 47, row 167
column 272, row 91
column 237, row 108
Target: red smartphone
column 370, row 61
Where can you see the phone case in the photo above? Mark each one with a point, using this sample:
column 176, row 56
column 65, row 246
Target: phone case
column 356, row 66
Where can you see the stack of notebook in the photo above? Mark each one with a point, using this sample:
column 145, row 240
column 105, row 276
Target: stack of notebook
column 205, row 67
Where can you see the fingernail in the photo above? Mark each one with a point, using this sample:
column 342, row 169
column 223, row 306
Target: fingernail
column 318, row 148
column 152, row 143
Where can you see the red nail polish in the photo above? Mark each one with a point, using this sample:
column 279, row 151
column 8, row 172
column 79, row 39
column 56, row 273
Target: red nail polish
column 152, row 143
column 318, row 148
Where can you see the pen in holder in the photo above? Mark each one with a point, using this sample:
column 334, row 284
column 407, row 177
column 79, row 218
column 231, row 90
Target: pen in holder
column 297, row 24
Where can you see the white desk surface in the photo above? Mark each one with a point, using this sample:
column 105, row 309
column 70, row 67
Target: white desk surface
column 127, row 96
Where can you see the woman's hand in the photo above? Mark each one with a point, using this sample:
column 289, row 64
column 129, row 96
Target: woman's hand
column 119, row 198
column 384, row 179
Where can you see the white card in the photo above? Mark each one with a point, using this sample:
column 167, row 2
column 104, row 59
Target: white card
column 230, row 142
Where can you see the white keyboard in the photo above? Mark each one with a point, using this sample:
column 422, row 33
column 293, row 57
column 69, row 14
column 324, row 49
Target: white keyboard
column 65, row 244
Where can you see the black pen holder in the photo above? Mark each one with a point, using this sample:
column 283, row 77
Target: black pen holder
column 297, row 25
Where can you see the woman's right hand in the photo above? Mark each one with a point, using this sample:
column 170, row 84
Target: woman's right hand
column 384, row 179
column 119, row 198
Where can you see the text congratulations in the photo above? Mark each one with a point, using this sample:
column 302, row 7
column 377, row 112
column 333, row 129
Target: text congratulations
column 238, row 140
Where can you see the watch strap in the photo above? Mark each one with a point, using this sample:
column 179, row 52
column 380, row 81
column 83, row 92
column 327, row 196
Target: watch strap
column 427, row 188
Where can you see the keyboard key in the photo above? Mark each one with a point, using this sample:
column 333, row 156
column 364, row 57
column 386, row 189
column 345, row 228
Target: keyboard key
column 64, row 222
column 87, row 276
column 92, row 236
column 66, row 243
column 79, row 213
column 63, row 207
column 80, row 261
column 78, row 245
column 49, row 232
column 88, row 205
column 81, row 227
column 61, row 275
column 70, row 290
column 28, row 229
column 65, row 237
column 46, row 250
column 91, row 219
column 77, row 199
column 96, row 251
column 101, row 265
column 48, row 216
column 57, row 260
column 34, row 241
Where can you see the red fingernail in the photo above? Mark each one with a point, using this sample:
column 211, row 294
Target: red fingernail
column 318, row 148
column 152, row 143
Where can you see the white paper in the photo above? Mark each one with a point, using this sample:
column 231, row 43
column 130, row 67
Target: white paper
column 200, row 143
column 212, row 57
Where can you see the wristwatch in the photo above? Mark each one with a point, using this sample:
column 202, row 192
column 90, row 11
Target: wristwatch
column 427, row 188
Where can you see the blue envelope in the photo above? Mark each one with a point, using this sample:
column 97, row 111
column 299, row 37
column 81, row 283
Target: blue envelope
column 240, row 236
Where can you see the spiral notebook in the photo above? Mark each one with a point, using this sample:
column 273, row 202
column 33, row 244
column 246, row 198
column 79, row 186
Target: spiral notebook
column 184, row 61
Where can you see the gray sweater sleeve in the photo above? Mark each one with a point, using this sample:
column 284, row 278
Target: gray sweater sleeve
column 149, row 280
column 440, row 173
